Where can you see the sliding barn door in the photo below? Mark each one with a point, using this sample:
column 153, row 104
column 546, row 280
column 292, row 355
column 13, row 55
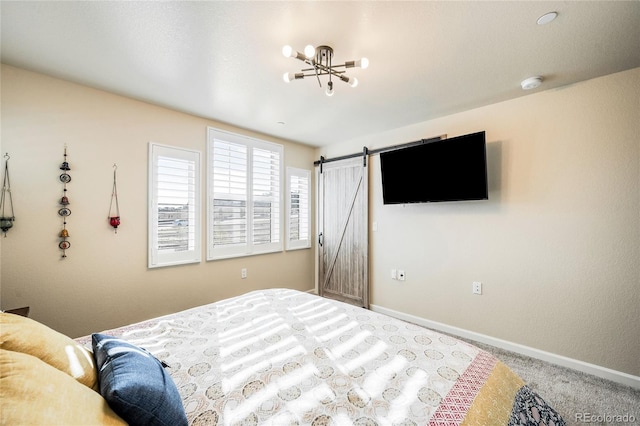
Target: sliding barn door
column 343, row 231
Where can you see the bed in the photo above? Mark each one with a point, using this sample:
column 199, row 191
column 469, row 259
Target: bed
column 284, row 357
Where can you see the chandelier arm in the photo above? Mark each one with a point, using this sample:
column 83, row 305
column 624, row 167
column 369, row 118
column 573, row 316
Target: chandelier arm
column 304, row 59
column 331, row 71
column 326, row 67
column 323, row 70
column 312, row 72
column 300, row 56
column 315, row 68
column 320, row 71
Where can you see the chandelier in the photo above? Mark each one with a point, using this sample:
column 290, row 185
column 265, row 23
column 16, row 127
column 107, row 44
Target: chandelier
column 320, row 61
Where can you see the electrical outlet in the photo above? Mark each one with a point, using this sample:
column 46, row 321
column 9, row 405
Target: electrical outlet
column 477, row 287
column 243, row 273
column 401, row 275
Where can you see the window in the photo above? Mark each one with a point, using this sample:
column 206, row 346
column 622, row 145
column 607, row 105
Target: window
column 244, row 214
column 174, row 206
column 298, row 208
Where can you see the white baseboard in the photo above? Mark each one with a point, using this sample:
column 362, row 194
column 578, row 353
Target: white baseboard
column 585, row 367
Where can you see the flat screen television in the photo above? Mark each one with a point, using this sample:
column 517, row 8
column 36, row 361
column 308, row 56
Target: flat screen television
column 453, row 169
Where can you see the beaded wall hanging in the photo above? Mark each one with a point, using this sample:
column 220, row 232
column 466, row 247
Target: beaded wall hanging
column 64, row 212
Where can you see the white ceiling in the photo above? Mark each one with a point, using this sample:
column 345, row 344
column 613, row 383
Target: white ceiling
column 222, row 59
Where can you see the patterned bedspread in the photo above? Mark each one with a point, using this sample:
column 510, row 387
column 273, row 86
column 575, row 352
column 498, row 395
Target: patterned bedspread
column 284, row 357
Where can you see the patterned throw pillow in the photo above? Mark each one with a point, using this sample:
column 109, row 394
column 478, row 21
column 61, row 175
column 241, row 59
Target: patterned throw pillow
column 135, row 384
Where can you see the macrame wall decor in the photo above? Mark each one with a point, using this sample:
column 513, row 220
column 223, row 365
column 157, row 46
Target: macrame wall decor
column 64, row 212
column 6, row 201
column 114, row 216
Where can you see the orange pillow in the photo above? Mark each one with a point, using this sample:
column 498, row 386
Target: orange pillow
column 35, row 393
column 22, row 334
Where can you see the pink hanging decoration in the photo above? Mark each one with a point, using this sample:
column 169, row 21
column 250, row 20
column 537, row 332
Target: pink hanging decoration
column 114, row 220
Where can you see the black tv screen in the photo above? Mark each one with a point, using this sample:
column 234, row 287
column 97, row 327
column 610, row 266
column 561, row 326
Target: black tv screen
column 453, row 169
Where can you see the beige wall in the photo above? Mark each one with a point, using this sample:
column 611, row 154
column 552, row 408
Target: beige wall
column 557, row 246
column 104, row 281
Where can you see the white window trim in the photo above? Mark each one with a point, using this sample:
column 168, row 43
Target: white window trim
column 298, row 243
column 193, row 255
column 248, row 249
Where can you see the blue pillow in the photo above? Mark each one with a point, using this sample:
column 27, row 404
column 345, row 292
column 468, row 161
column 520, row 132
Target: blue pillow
column 135, row 384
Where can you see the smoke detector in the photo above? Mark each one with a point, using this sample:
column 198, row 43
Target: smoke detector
column 531, row 83
column 546, row 18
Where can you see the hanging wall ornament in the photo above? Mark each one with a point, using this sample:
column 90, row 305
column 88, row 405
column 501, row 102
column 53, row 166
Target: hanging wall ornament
column 6, row 201
column 64, row 212
column 114, row 216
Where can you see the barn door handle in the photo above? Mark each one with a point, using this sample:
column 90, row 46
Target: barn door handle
column 320, row 239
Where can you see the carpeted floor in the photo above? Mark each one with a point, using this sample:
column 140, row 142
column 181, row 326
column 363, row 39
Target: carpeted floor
column 580, row 398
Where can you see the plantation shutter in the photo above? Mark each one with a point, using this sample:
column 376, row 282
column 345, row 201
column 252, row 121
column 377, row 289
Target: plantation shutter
column 244, row 207
column 266, row 197
column 174, row 206
column 228, row 202
column 298, row 208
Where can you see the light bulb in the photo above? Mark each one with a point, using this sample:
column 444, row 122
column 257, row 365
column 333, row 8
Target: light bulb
column 362, row 63
column 288, row 76
column 309, row 51
column 329, row 91
column 287, row 51
column 351, row 81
